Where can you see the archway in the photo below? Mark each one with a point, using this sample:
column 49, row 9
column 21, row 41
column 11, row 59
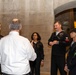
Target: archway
column 65, row 13
column 64, row 7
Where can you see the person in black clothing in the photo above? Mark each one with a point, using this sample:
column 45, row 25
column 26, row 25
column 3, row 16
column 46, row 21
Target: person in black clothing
column 38, row 46
column 0, row 38
column 0, row 64
column 58, row 41
column 71, row 58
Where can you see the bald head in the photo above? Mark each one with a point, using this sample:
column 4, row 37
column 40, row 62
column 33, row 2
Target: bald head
column 15, row 20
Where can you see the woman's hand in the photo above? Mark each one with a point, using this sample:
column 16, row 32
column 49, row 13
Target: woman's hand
column 66, row 68
column 42, row 63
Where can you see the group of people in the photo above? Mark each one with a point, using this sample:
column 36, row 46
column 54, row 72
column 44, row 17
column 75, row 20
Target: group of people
column 59, row 40
column 19, row 56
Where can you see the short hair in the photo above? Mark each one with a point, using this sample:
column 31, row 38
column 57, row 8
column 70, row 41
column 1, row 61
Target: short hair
column 15, row 25
column 60, row 22
column 73, row 30
column 38, row 36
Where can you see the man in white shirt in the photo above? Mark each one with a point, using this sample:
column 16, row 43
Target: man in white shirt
column 15, row 52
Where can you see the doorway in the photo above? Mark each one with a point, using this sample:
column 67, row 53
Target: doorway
column 67, row 18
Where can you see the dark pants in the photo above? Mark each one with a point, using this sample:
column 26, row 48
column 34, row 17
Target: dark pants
column 72, row 71
column 57, row 62
column 0, row 69
column 11, row 74
column 35, row 67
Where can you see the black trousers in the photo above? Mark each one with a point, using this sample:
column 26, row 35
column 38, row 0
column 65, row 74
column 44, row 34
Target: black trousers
column 57, row 62
column 11, row 74
column 72, row 71
column 35, row 67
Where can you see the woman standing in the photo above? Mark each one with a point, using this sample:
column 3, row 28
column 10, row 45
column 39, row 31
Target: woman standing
column 38, row 47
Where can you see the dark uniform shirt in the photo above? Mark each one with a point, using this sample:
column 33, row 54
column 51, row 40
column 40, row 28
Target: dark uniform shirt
column 60, row 48
column 71, row 59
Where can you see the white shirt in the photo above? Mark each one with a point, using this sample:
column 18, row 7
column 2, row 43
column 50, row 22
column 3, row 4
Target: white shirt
column 72, row 43
column 15, row 52
column 57, row 33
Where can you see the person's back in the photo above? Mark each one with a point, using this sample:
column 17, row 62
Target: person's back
column 16, row 51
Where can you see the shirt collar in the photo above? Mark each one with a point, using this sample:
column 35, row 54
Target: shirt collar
column 14, row 33
column 57, row 33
